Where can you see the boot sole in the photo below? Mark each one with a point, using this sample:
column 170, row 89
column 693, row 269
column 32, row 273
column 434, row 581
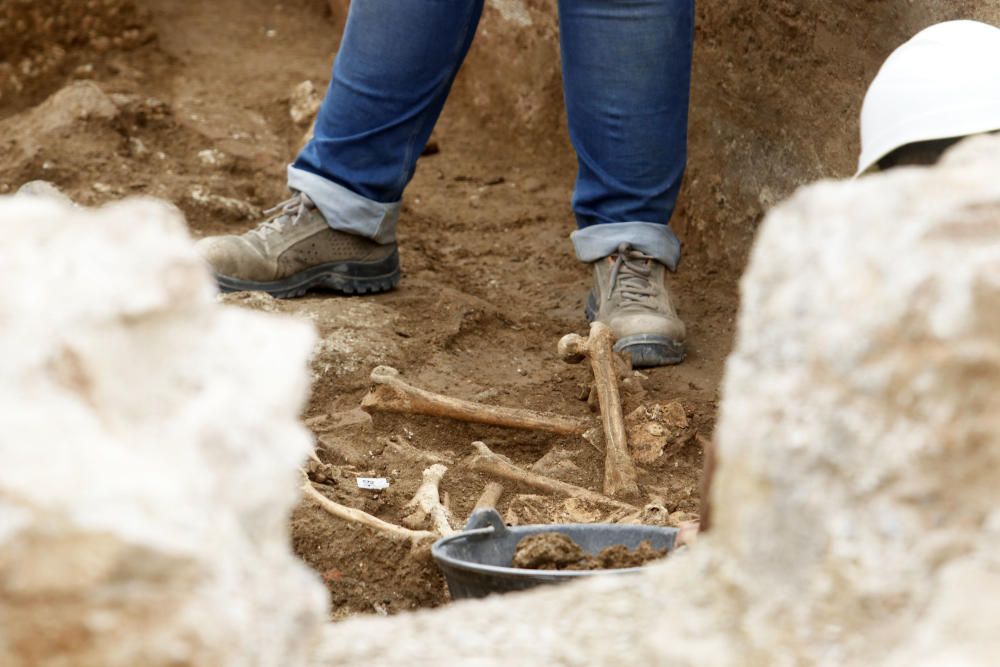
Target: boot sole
column 347, row 278
column 646, row 350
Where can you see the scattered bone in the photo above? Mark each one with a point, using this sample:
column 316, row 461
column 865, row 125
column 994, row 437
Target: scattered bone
column 364, row 518
column 490, row 496
column 426, row 503
column 528, row 509
column 557, row 464
column 652, row 427
column 487, row 461
column 619, row 470
column 400, row 450
column 392, row 394
column 319, row 472
column 653, row 514
column 595, row 438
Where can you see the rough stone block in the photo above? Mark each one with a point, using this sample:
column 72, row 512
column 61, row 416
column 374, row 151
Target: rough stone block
column 149, row 449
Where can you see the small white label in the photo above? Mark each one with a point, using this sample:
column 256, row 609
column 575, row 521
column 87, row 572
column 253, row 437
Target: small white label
column 373, row 483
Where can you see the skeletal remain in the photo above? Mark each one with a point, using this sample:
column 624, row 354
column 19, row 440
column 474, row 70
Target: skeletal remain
column 490, row 497
column 619, row 470
column 426, row 503
column 653, row 514
column 357, row 516
column 323, row 473
column 393, row 394
column 651, row 428
column 400, row 450
column 595, row 438
column 529, row 508
column 487, row 461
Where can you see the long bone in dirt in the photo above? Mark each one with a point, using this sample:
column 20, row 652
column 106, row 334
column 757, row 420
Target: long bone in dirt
column 392, row 394
column 427, row 506
column 490, row 496
column 417, row 537
column 487, row 461
column 619, row 470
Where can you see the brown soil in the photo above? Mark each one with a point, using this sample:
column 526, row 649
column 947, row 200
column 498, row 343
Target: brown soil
column 555, row 551
column 189, row 101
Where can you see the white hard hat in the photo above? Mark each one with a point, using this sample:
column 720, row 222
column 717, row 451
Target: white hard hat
column 943, row 83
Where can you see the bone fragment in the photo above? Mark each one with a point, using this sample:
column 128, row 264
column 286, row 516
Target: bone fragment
column 619, row 470
column 399, row 450
column 487, row 461
column 490, row 497
column 365, row 519
column 393, row 394
column 426, row 503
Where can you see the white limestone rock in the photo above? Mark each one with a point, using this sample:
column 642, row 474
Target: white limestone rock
column 856, row 503
column 149, row 451
column 861, row 420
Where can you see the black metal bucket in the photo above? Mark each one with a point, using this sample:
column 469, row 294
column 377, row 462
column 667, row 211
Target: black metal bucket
column 476, row 562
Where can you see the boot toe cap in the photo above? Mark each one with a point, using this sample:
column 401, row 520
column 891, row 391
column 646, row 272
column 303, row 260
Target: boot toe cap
column 225, row 255
column 662, row 325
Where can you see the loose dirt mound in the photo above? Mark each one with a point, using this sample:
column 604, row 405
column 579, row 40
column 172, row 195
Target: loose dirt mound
column 200, row 116
column 555, row 551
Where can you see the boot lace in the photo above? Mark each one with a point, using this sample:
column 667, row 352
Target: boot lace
column 630, row 276
column 288, row 212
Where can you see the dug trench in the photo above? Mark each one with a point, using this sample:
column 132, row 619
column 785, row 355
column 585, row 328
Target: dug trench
column 190, row 102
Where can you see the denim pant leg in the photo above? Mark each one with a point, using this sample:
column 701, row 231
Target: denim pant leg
column 627, row 77
column 396, row 64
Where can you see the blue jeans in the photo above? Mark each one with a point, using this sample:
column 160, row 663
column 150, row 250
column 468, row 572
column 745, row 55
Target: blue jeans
column 626, row 72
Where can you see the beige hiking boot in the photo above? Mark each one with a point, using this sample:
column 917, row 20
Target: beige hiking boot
column 294, row 250
column 630, row 295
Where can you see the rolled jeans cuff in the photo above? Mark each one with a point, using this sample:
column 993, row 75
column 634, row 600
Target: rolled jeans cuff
column 347, row 211
column 598, row 241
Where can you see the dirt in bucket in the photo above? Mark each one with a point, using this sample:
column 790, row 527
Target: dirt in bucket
column 556, row 551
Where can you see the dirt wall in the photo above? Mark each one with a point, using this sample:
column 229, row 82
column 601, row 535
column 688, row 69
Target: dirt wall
column 40, row 39
column 777, row 93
